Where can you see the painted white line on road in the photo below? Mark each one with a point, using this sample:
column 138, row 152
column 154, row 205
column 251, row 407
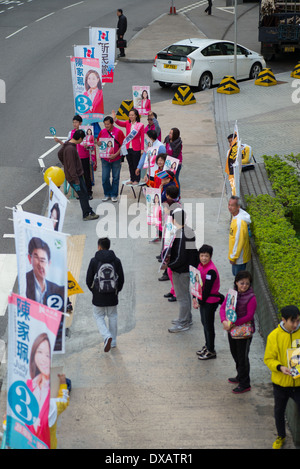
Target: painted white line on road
column 227, row 9
column 74, row 4
column 43, row 17
column 16, row 32
column 32, row 194
column 49, row 151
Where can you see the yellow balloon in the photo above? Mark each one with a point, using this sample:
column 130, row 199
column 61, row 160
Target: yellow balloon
column 56, row 175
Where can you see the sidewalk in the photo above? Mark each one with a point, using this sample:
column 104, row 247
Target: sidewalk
column 151, row 391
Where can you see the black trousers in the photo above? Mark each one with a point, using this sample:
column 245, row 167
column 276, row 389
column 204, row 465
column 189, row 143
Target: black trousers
column 207, row 315
column 281, row 397
column 122, row 50
column 133, row 159
column 239, row 349
column 87, row 174
column 208, row 9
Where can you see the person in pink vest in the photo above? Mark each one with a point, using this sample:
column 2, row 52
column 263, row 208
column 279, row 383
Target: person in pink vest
column 209, row 302
column 134, row 144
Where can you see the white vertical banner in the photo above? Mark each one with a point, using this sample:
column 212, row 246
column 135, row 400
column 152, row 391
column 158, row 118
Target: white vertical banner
column 106, row 39
column 57, row 206
column 42, row 269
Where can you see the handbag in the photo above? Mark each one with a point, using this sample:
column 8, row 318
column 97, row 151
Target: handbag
column 242, row 332
column 121, row 43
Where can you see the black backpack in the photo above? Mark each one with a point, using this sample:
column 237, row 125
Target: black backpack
column 106, row 278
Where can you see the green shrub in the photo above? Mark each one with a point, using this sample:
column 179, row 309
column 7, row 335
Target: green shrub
column 286, row 185
column 278, row 248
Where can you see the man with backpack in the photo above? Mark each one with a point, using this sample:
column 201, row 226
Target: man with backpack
column 105, row 279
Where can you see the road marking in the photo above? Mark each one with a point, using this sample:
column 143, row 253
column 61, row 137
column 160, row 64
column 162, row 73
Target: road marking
column 74, row 4
column 32, row 194
column 227, row 9
column 16, row 32
column 192, row 6
column 43, row 17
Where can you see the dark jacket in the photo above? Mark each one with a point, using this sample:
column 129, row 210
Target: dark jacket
column 69, row 157
column 183, row 252
column 99, row 298
column 51, row 289
column 122, row 25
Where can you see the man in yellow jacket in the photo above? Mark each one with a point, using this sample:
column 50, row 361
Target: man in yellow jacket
column 239, row 244
column 286, row 382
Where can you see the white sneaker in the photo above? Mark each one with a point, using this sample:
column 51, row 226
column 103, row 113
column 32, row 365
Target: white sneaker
column 105, row 199
column 114, row 199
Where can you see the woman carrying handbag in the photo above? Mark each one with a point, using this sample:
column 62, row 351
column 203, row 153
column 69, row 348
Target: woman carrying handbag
column 240, row 331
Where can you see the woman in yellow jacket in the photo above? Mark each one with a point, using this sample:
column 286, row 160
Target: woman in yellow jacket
column 286, row 336
column 57, row 406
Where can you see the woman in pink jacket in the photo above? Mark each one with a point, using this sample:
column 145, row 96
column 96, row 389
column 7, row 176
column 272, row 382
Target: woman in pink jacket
column 135, row 147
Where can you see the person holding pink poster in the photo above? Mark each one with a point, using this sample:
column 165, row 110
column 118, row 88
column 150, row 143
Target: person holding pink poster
column 133, row 145
column 93, row 87
column 209, row 302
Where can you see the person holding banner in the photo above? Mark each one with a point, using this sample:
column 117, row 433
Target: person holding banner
column 152, row 153
column 183, row 253
column 133, row 145
column 111, row 165
column 209, row 302
column 240, row 347
column 239, row 244
column 173, row 145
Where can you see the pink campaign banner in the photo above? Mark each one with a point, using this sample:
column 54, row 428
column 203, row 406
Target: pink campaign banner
column 32, row 330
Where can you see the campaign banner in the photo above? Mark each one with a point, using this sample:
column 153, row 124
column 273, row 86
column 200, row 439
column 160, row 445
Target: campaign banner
column 150, row 158
column 106, row 39
column 141, row 99
column 89, row 139
column 230, row 307
column 171, row 164
column 153, row 204
column 89, row 52
column 32, row 330
column 106, row 147
column 168, row 232
column 87, row 89
column 237, row 165
column 57, row 206
column 195, row 282
column 42, row 269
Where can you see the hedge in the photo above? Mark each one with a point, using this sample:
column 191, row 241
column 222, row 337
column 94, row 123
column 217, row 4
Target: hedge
column 286, row 185
column 278, row 248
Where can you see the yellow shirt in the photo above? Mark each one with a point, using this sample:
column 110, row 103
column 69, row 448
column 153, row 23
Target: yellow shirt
column 239, row 243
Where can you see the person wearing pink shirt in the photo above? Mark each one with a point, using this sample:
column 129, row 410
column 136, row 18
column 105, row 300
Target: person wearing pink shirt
column 239, row 348
column 111, row 165
column 135, row 148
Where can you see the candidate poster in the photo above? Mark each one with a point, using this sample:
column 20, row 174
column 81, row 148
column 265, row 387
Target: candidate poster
column 106, row 147
column 171, row 164
column 153, row 204
column 106, row 39
column 32, row 329
column 42, row 269
column 141, row 99
column 168, row 232
column 230, row 307
column 57, row 206
column 195, row 282
column 150, row 158
column 87, row 89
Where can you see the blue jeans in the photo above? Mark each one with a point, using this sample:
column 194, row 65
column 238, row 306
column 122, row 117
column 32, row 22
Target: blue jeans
column 237, row 268
column 111, row 189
